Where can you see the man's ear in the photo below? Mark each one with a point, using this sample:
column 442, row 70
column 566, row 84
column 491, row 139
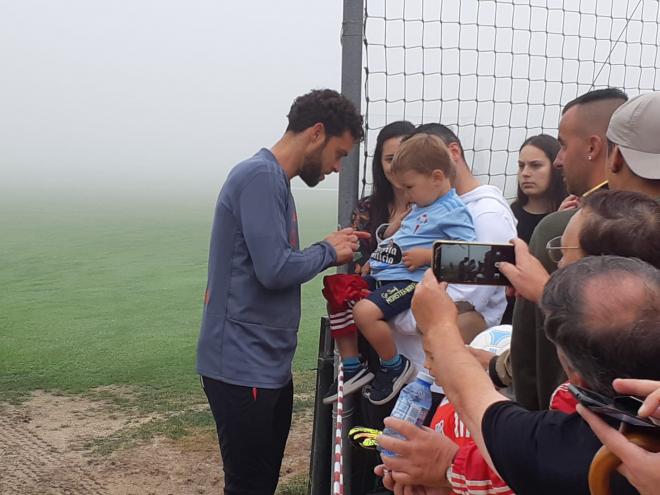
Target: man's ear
column 596, row 146
column 317, row 134
column 454, row 152
column 573, row 376
column 615, row 163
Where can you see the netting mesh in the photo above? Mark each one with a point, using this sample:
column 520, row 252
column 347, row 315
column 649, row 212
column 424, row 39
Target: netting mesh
column 499, row 71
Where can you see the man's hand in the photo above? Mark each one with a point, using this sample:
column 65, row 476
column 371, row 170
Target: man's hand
column 528, row 276
column 482, row 356
column 345, row 242
column 641, row 388
column 417, row 258
column 431, row 304
column 422, row 459
column 570, row 202
column 640, row 467
column 399, row 489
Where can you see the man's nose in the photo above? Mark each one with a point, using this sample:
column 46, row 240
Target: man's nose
column 559, row 160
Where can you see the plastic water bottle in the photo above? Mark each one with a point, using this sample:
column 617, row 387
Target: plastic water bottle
column 412, row 405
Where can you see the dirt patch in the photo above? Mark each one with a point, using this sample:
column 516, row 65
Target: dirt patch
column 44, row 449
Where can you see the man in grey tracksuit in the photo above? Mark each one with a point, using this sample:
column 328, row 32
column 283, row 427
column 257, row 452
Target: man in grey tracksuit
column 252, row 301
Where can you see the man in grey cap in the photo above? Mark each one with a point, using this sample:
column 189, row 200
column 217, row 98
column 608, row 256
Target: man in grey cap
column 633, row 162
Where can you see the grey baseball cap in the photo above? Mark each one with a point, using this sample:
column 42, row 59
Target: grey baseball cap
column 635, row 127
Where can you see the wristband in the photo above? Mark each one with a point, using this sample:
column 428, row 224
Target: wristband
column 492, row 372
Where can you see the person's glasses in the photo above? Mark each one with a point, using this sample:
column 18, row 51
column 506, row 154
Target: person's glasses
column 555, row 248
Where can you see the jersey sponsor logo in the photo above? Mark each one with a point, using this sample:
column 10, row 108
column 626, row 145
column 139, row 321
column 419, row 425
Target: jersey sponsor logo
column 389, row 253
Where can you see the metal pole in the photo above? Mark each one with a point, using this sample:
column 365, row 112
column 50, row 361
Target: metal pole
column 351, row 87
column 320, row 466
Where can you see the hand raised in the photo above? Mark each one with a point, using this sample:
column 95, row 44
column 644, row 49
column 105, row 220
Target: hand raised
column 570, row 202
column 345, row 242
column 642, row 388
column 482, row 356
column 431, row 305
column 528, row 276
column 422, row 458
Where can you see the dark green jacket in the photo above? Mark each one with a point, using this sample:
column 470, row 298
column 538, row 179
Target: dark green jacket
column 535, row 366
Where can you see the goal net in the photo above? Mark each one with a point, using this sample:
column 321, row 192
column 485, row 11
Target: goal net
column 499, row 71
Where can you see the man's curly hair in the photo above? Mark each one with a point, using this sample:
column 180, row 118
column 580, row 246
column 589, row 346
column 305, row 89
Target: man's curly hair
column 334, row 111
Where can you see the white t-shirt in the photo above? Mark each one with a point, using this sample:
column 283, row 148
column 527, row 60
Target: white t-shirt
column 494, row 223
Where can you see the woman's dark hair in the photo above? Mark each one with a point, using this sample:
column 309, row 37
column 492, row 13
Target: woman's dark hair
column 382, row 193
column 557, row 190
column 621, row 223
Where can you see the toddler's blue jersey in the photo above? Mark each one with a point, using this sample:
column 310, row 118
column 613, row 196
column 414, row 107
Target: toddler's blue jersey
column 445, row 219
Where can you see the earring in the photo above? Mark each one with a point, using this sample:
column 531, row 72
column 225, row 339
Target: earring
column 589, row 158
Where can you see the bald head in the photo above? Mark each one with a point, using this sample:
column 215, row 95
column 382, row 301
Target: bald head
column 614, row 300
column 603, row 313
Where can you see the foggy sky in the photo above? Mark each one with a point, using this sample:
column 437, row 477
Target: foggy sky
column 152, row 95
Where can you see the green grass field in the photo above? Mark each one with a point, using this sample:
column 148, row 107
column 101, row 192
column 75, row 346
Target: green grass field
column 98, row 293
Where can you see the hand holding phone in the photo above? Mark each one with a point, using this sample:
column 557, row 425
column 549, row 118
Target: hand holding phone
column 528, row 276
column 460, row 262
column 622, row 407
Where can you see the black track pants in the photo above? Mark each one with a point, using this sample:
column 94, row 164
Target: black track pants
column 253, row 425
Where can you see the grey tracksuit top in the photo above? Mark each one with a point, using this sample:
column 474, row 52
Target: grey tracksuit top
column 252, row 302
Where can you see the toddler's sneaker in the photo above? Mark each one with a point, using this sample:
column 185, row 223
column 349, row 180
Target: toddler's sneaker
column 353, row 381
column 389, row 382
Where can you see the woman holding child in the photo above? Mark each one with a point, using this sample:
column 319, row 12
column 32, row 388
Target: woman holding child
column 425, row 171
column 387, row 203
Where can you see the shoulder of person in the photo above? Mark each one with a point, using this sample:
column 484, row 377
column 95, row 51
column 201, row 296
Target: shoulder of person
column 262, row 160
column 486, row 199
column 552, row 225
column 261, row 163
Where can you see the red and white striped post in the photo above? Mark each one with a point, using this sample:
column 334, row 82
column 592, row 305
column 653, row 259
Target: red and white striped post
column 337, row 474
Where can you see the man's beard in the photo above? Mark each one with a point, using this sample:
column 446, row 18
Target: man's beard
column 312, row 169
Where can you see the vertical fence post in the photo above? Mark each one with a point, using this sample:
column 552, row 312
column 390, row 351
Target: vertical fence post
column 349, row 177
column 320, row 465
column 351, row 88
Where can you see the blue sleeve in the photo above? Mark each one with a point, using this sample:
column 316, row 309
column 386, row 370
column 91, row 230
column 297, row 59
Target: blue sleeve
column 262, row 212
column 459, row 225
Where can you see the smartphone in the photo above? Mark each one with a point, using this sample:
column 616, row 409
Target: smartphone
column 622, row 407
column 459, row 262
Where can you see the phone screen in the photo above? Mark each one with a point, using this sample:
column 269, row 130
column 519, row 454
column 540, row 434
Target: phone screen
column 623, row 408
column 459, row 262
